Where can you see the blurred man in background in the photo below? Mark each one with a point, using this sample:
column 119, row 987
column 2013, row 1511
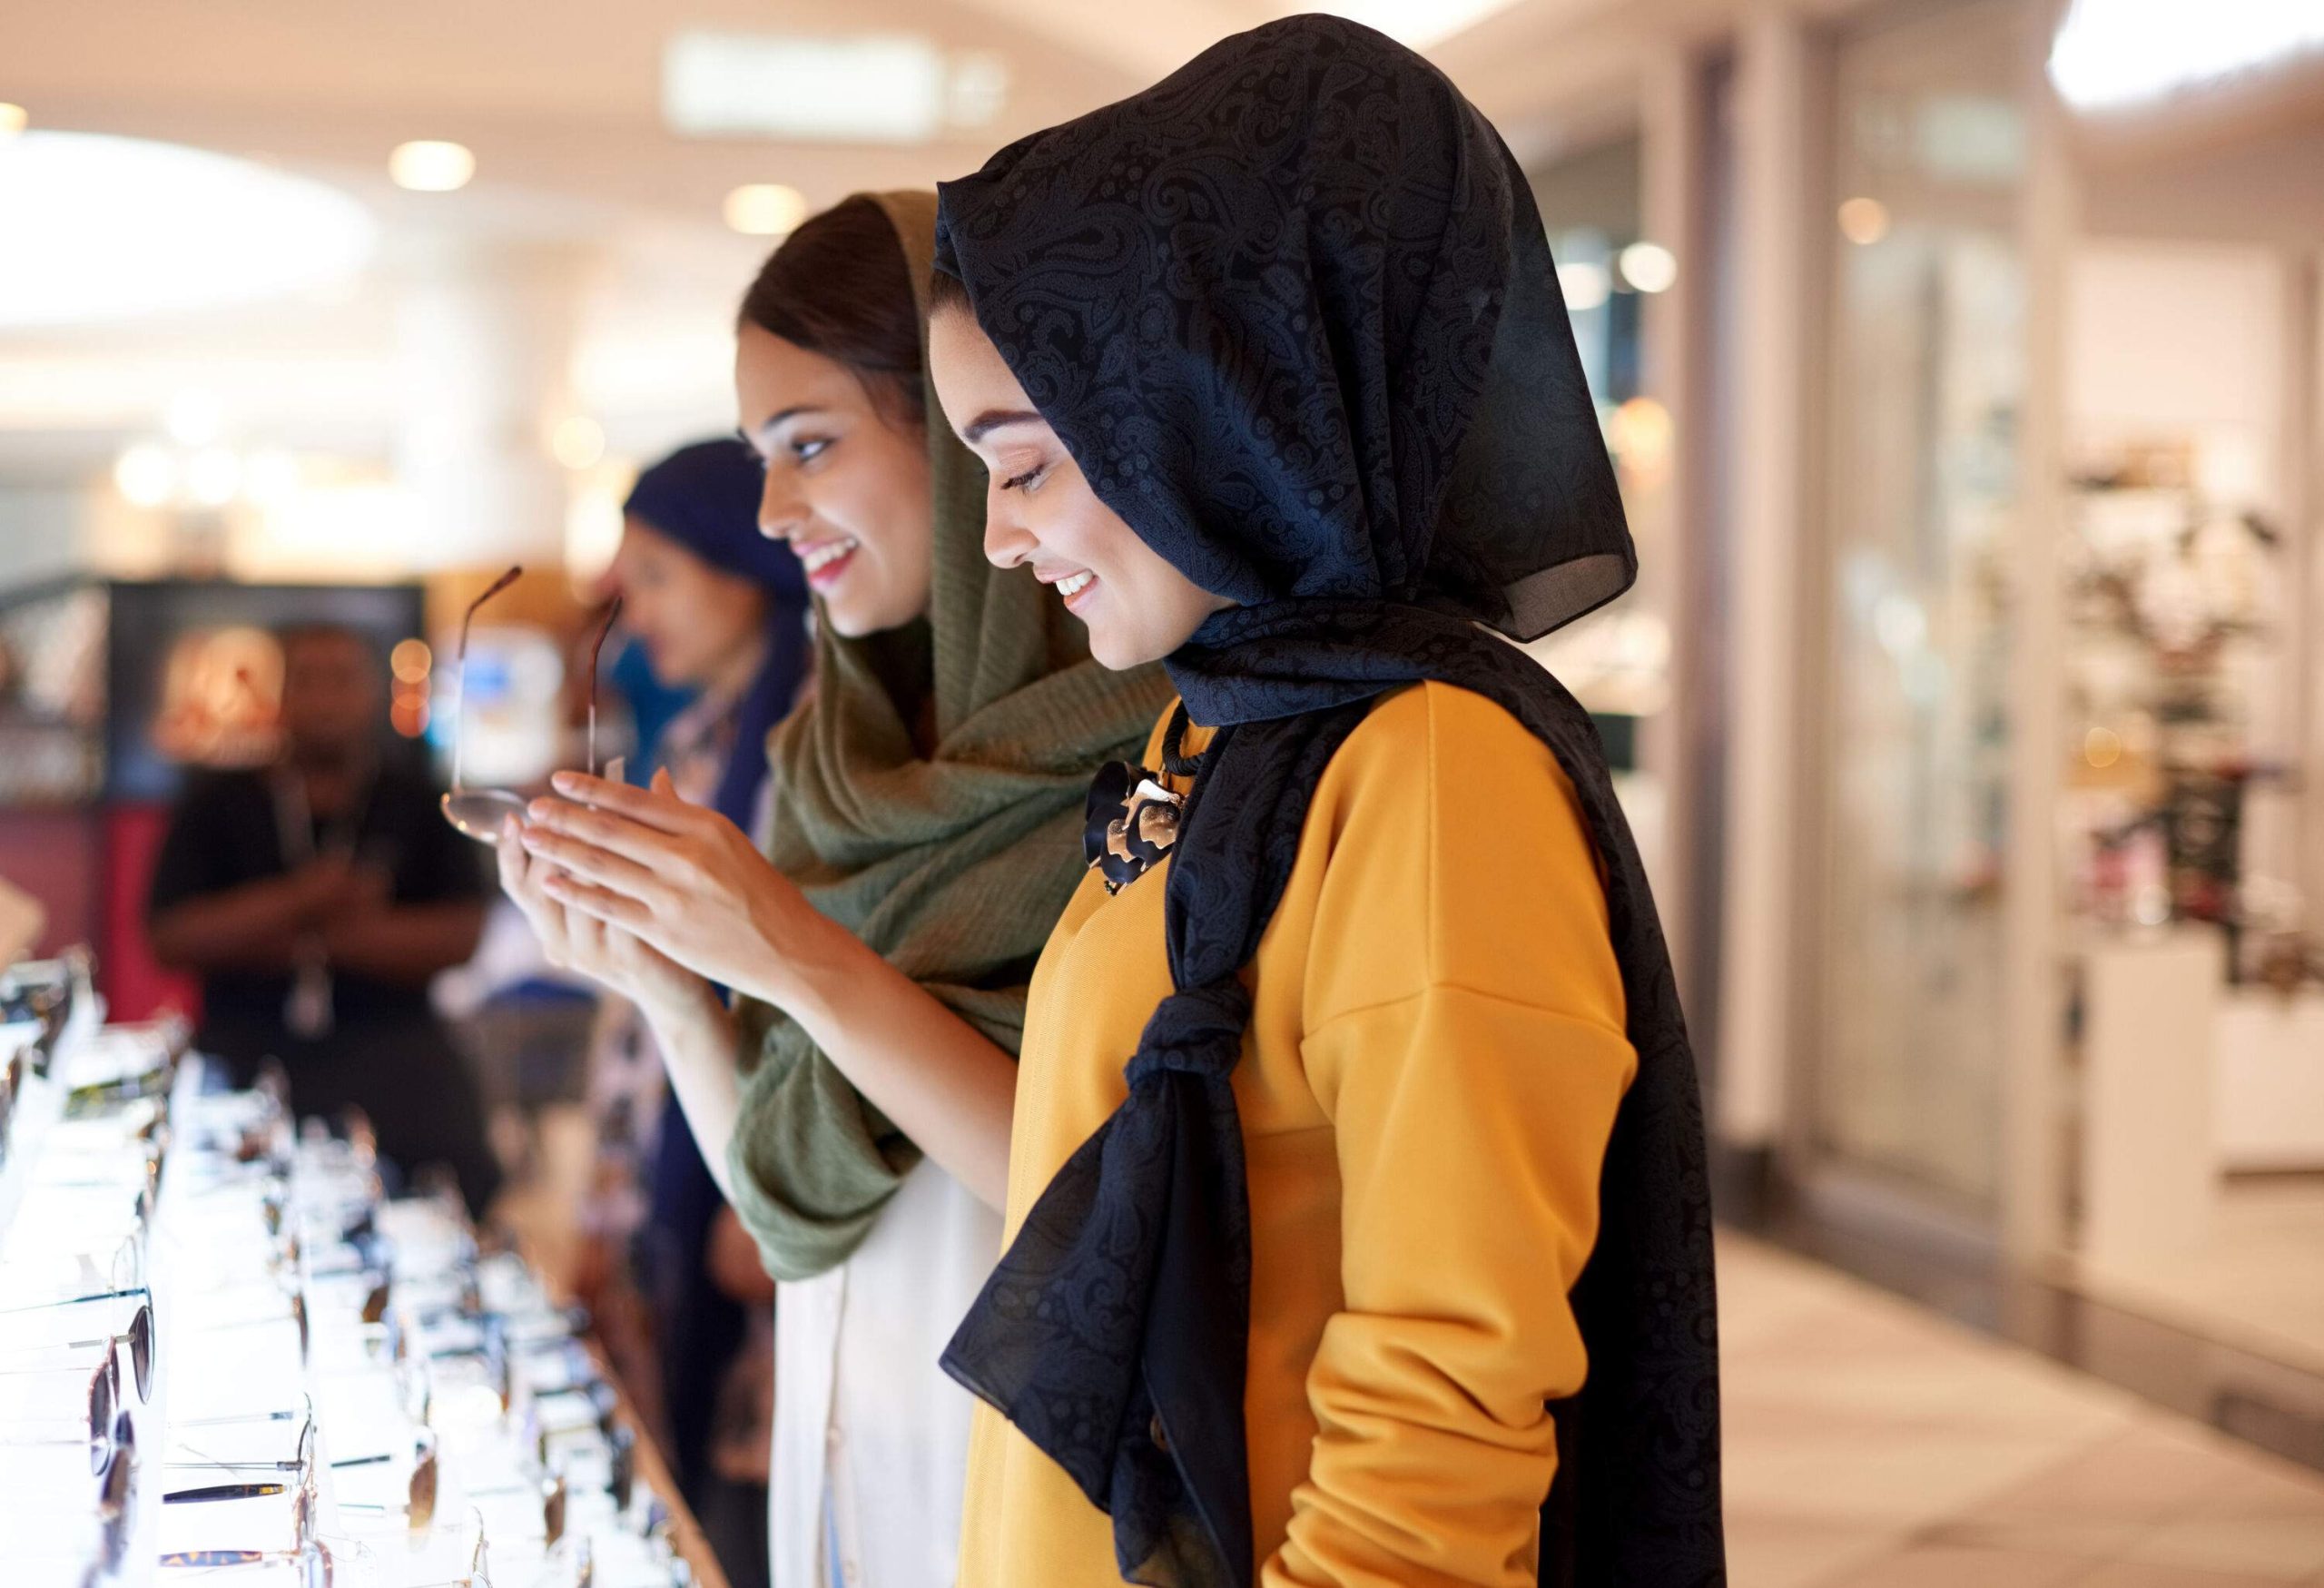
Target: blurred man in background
column 316, row 898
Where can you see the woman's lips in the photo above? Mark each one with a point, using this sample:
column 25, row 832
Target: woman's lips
column 826, row 562
column 1075, row 589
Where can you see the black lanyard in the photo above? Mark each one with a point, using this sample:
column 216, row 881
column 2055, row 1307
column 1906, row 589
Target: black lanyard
column 308, row 1009
column 294, row 820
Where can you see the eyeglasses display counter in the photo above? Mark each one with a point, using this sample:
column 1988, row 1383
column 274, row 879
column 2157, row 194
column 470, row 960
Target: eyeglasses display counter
column 227, row 1358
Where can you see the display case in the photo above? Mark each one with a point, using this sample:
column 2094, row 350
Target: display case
column 226, row 1357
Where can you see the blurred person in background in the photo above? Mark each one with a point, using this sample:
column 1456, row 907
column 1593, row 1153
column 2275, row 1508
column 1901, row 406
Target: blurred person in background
column 925, row 828
column 316, row 899
column 716, row 608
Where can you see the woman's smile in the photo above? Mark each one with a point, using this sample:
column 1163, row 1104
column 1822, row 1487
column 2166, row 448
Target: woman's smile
column 1074, row 588
column 826, row 562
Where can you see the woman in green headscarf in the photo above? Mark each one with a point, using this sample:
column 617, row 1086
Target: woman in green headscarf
column 924, row 832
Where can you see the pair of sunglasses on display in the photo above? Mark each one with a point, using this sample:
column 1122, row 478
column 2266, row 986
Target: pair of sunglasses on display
column 301, row 1463
column 482, row 813
column 107, row 1428
column 318, row 1566
column 305, row 1501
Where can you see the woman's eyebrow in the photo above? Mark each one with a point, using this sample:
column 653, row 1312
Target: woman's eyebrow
column 993, row 418
column 767, row 425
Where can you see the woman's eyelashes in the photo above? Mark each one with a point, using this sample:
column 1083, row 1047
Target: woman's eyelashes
column 1028, row 482
column 807, row 449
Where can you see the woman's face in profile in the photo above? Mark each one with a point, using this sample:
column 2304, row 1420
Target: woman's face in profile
column 1040, row 511
column 694, row 620
column 846, row 482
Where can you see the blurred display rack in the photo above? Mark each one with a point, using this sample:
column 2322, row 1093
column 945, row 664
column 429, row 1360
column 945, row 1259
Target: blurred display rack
column 371, row 1314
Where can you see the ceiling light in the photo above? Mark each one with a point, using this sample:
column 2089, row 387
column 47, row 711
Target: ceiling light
column 146, row 475
column 876, row 88
column 579, row 441
column 2110, row 53
column 1647, row 266
column 978, row 89
column 1417, row 24
column 12, row 118
column 765, row 209
column 1584, row 284
column 84, row 210
column 431, row 166
column 1864, row 221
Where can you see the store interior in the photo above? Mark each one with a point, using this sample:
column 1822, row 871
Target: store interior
column 1963, row 366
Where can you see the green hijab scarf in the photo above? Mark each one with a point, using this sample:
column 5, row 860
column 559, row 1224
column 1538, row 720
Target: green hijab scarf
column 952, row 858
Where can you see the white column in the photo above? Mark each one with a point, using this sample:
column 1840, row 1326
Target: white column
column 2303, row 613
column 485, row 335
column 1764, row 915
column 1672, row 207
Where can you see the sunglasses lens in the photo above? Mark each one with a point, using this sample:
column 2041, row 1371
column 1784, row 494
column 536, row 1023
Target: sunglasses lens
column 140, row 1352
column 102, row 1398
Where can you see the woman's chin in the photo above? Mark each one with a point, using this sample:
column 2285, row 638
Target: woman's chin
column 1112, row 649
column 860, row 618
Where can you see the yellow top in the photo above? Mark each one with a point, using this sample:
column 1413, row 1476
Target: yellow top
column 1434, row 1062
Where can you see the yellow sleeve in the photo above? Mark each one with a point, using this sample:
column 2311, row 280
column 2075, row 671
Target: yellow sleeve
column 1471, row 1116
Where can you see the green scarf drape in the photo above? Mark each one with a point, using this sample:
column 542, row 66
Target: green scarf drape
column 953, row 858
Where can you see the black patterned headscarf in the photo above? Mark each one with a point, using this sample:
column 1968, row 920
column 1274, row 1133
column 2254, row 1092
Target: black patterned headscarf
column 1292, row 313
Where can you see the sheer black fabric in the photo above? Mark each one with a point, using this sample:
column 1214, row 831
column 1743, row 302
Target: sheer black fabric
column 1292, row 312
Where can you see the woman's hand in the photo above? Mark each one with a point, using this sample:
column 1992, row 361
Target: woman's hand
column 683, row 880
column 686, row 884
column 573, row 941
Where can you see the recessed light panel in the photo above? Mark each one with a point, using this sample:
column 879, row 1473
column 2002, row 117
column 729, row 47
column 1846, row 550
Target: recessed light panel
column 875, row 88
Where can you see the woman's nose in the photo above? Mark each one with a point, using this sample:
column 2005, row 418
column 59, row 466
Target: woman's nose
column 1007, row 543
column 783, row 507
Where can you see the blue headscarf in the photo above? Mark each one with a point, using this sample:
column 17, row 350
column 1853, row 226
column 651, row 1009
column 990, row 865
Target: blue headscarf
column 705, row 497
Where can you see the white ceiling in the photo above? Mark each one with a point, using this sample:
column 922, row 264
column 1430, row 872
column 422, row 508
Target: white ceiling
column 560, row 102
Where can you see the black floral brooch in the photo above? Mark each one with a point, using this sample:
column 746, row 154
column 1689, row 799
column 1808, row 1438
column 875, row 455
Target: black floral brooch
column 1132, row 820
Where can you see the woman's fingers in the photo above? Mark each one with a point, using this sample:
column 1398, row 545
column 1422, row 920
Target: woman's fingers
column 657, row 807
column 521, row 878
column 588, row 862
column 599, row 904
column 509, row 855
column 663, row 852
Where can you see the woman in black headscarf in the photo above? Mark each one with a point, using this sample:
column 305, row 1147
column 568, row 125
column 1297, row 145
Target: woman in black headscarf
column 1270, row 371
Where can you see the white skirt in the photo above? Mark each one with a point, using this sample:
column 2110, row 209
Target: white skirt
column 871, row 1435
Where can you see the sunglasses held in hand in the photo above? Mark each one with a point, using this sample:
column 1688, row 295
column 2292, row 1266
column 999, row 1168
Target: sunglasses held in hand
column 482, row 813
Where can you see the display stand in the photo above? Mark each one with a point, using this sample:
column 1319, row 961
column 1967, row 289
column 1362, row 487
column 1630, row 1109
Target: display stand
column 2149, row 1164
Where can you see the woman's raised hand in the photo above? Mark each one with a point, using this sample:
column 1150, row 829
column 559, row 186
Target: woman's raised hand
column 683, row 880
column 573, row 941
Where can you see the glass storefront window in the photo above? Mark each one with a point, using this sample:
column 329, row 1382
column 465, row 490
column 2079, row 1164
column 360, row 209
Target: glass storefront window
column 1926, row 338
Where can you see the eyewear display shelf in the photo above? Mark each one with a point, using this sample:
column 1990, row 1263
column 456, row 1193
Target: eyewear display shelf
column 227, row 1360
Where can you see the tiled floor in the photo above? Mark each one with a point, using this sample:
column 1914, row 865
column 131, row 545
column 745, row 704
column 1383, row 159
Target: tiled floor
column 1871, row 1444
column 2259, row 1282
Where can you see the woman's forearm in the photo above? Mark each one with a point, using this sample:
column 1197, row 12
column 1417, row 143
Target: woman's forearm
column 938, row 1078
column 697, row 1037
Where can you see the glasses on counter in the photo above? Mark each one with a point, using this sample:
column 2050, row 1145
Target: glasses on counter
column 105, row 1424
column 404, row 1292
